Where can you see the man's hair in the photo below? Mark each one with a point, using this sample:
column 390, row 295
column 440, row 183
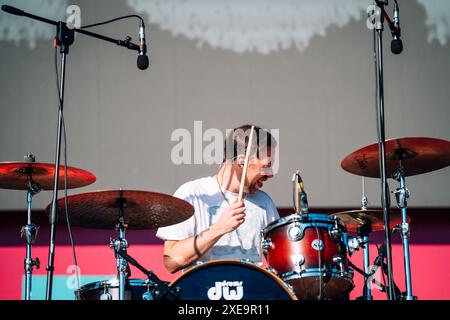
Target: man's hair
column 236, row 142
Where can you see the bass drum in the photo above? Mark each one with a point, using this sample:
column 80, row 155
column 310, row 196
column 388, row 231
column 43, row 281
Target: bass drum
column 135, row 289
column 230, row 280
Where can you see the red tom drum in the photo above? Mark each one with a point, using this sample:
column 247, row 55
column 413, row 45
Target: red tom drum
column 309, row 252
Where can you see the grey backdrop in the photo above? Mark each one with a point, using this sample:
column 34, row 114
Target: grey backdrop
column 120, row 120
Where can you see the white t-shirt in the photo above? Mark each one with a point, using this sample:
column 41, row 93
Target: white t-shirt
column 205, row 196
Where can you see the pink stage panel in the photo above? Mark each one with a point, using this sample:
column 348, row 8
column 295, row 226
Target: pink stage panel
column 429, row 266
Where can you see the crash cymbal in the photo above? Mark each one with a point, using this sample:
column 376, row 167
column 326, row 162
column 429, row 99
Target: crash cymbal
column 356, row 218
column 416, row 155
column 141, row 209
column 14, row 175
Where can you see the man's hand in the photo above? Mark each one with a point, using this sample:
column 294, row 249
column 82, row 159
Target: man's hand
column 230, row 219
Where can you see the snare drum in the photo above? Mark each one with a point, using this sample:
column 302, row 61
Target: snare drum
column 309, row 252
column 135, row 289
column 230, row 280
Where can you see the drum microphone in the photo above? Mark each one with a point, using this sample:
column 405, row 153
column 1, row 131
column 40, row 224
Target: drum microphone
column 142, row 59
column 301, row 199
column 396, row 43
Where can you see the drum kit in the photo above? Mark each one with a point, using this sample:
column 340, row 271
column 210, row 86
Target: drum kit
column 307, row 253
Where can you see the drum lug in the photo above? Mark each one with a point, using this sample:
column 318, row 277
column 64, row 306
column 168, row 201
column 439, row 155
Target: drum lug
column 339, row 261
column 272, row 270
column 335, row 232
column 298, row 260
column 266, row 244
column 105, row 295
column 147, row 296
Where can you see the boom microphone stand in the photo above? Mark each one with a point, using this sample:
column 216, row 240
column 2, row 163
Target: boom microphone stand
column 379, row 101
column 65, row 37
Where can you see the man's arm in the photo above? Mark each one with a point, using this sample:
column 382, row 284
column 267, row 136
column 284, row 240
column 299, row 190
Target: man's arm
column 179, row 254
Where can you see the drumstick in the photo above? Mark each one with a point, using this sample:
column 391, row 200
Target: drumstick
column 247, row 157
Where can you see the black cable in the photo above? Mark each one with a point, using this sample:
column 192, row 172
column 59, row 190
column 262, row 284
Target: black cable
column 74, row 256
column 112, row 20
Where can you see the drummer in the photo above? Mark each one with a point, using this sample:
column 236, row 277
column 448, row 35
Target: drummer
column 222, row 227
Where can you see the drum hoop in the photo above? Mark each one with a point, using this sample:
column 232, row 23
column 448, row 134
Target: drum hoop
column 111, row 283
column 210, row 263
column 323, row 221
column 311, row 272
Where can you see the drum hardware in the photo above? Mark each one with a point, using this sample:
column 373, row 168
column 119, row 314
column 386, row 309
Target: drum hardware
column 249, row 262
column 402, row 194
column 29, row 232
column 266, row 244
column 160, row 289
column 136, row 289
column 125, row 210
column 272, row 270
column 363, row 232
column 404, row 157
column 296, row 232
column 34, row 178
column 298, row 260
column 339, row 261
column 120, row 245
column 105, row 295
column 336, row 232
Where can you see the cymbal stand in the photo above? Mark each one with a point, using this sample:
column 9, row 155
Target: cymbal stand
column 29, row 231
column 367, row 291
column 121, row 245
column 402, row 194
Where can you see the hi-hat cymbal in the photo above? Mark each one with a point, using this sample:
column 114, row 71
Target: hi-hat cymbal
column 415, row 155
column 355, row 219
column 141, row 209
column 15, row 176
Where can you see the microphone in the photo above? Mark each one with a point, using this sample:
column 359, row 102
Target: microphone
column 301, row 199
column 396, row 43
column 142, row 59
column 12, row 10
